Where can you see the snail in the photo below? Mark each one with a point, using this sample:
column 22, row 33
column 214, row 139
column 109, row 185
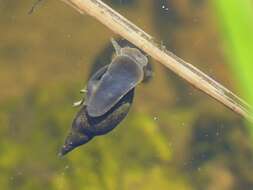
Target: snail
column 109, row 96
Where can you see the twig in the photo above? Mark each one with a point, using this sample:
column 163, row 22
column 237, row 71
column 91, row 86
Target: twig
column 120, row 25
column 73, row 6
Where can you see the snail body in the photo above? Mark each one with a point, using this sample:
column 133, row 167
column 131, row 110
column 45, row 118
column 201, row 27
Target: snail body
column 109, row 96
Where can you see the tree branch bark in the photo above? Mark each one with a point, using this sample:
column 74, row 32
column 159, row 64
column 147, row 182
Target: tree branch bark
column 120, row 25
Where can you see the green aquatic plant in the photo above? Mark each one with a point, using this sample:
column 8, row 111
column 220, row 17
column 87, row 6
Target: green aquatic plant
column 236, row 21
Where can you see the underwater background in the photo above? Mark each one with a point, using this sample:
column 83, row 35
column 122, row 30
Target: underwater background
column 174, row 137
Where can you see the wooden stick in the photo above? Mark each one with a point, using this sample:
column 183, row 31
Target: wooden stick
column 120, row 25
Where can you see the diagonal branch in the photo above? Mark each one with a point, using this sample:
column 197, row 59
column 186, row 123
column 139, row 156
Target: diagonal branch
column 120, row 25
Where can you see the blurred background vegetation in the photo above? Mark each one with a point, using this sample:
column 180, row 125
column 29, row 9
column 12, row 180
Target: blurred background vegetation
column 236, row 21
column 174, row 137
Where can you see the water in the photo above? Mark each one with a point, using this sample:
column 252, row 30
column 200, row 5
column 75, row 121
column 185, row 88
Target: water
column 174, row 137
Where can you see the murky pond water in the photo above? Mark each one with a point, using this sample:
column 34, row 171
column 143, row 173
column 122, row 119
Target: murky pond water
column 174, row 136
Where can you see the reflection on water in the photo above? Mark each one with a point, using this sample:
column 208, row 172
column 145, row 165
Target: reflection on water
column 174, row 136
